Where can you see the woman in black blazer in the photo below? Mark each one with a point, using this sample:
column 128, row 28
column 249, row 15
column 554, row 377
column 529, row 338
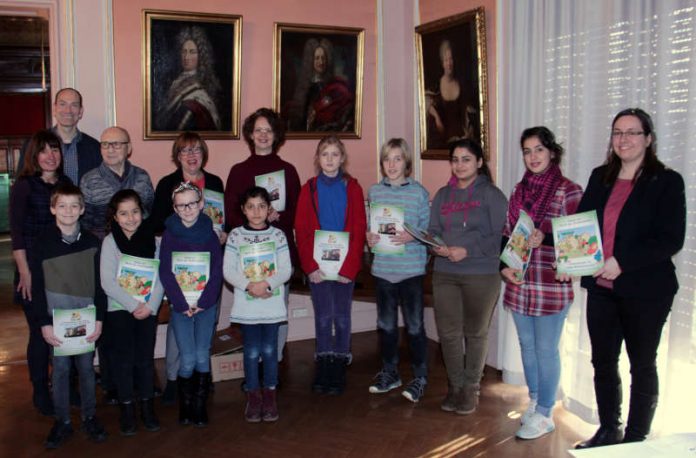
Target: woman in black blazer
column 641, row 208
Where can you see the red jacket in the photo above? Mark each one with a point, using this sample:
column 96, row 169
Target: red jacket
column 307, row 221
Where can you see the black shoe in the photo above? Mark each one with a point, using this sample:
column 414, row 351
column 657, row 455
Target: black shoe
column 321, row 374
column 201, row 383
column 185, row 386
column 111, row 398
column 337, row 375
column 169, row 395
column 60, row 432
column 603, row 436
column 147, row 414
column 94, row 430
column 126, row 421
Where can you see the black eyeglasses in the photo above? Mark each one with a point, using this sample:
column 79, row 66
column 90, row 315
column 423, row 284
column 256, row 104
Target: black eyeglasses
column 118, row 146
column 188, row 206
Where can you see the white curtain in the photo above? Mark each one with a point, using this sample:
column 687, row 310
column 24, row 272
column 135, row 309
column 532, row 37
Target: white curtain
column 572, row 65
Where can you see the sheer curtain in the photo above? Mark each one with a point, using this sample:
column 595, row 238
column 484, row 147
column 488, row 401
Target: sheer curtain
column 572, row 65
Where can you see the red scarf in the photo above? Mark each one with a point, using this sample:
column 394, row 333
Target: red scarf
column 534, row 194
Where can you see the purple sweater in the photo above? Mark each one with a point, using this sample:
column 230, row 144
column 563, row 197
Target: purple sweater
column 199, row 237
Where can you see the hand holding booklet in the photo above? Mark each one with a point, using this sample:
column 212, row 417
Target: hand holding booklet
column 578, row 243
column 72, row 326
column 424, row 236
column 517, row 251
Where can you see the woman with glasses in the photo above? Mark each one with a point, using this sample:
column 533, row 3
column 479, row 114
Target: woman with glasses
column 190, row 155
column 468, row 213
column 641, row 208
column 30, row 215
column 264, row 133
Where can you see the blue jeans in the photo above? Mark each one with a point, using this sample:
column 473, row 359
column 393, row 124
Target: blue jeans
column 408, row 293
column 194, row 337
column 332, row 320
column 61, row 385
column 539, row 337
column 260, row 340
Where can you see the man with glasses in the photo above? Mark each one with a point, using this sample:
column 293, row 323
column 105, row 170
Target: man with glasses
column 80, row 151
column 115, row 173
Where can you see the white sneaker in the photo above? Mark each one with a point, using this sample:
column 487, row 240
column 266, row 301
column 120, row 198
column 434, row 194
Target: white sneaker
column 537, row 426
column 531, row 408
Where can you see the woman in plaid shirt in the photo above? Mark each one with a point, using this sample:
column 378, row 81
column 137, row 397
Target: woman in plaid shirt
column 539, row 302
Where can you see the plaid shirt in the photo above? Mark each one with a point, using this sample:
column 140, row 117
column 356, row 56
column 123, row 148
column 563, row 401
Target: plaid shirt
column 541, row 294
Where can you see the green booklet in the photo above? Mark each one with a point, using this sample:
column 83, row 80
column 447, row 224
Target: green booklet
column 214, row 207
column 259, row 262
column 274, row 183
column 578, row 243
column 72, row 326
column 137, row 276
column 192, row 271
column 330, row 250
column 386, row 220
column 517, row 252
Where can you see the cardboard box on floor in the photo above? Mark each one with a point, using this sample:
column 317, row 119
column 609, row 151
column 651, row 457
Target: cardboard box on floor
column 227, row 357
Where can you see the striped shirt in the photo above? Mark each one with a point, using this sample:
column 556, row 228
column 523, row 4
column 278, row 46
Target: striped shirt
column 541, row 294
column 414, row 199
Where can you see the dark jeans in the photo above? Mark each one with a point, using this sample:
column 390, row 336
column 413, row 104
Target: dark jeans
column 408, row 293
column 332, row 320
column 260, row 340
column 38, row 352
column 133, row 350
column 612, row 320
column 61, row 385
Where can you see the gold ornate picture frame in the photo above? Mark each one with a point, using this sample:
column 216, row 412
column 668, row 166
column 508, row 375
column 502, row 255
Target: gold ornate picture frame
column 192, row 69
column 452, row 82
column 318, row 79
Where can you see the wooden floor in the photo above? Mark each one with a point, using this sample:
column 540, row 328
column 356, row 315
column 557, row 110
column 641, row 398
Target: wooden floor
column 356, row 424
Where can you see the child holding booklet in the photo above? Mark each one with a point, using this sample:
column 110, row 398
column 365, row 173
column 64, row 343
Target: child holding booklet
column 65, row 269
column 331, row 201
column 257, row 264
column 191, row 273
column 399, row 276
column 128, row 276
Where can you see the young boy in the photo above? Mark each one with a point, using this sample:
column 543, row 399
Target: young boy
column 65, row 272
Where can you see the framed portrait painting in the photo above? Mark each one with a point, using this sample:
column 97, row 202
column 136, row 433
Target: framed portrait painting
column 318, row 75
column 191, row 67
column 452, row 82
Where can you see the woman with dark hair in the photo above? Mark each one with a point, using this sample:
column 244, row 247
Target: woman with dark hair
column 190, row 155
column 468, row 213
column 539, row 301
column 322, row 101
column 191, row 99
column 30, row 215
column 264, row 133
column 641, row 208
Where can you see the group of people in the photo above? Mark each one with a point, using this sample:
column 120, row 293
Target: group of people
column 68, row 243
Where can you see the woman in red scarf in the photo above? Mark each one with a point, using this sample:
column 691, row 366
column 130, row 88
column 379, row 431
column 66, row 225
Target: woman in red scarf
column 539, row 301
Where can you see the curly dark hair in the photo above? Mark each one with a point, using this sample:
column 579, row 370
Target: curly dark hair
column 206, row 59
column 273, row 119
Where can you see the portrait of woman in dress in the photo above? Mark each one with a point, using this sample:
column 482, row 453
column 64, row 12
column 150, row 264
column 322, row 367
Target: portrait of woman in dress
column 191, row 101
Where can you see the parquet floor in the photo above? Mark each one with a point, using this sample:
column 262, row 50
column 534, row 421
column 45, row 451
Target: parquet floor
column 356, row 424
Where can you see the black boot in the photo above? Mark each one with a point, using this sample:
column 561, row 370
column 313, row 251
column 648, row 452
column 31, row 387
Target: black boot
column 185, row 386
column 337, row 375
column 169, row 395
column 640, row 417
column 147, row 414
column 609, row 409
column 201, row 381
column 42, row 398
column 321, row 374
column 127, row 419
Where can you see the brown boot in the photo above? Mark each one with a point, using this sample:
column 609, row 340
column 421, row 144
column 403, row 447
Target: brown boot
column 269, row 405
column 252, row 412
column 449, row 404
column 468, row 400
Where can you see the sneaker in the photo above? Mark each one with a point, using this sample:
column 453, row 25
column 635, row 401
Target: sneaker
column 415, row 389
column 386, row 380
column 531, row 408
column 60, row 432
column 537, row 426
column 94, row 430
